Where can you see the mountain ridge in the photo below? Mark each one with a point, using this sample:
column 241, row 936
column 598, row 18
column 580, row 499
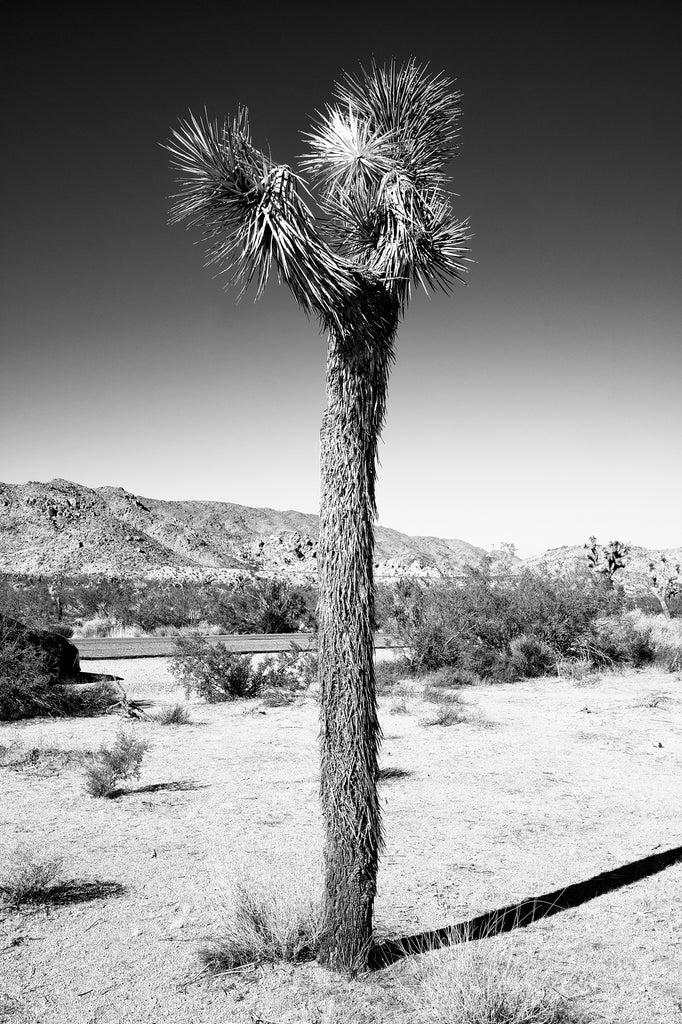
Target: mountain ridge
column 62, row 527
column 65, row 527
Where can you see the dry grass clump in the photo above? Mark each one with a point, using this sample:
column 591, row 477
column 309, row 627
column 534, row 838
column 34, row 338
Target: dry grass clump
column 450, row 708
column 264, row 922
column 177, row 714
column 112, row 765
column 577, row 670
column 28, row 877
column 476, row 984
column 436, row 695
column 446, row 715
column 450, row 677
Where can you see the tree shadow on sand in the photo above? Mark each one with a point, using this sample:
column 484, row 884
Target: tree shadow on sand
column 520, row 915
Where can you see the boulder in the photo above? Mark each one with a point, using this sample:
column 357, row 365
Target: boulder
column 61, row 655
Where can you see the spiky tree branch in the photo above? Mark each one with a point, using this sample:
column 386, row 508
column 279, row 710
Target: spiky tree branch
column 251, row 215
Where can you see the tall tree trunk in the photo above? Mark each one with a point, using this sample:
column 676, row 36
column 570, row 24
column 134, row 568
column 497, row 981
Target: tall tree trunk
column 358, row 366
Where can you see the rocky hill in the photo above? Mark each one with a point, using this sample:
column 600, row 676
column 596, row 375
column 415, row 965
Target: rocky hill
column 64, row 527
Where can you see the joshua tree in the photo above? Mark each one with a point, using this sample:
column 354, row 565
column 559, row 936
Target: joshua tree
column 377, row 161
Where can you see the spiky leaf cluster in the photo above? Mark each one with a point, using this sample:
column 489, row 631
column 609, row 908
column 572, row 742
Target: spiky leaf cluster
column 378, row 158
column 251, row 214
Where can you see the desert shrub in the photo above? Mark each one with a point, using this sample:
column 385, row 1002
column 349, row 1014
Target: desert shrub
column 213, row 672
column 389, row 673
column 669, row 657
column 530, row 657
column 105, row 606
column 27, row 683
column 112, row 765
column 27, row 877
column 217, row 675
column 178, row 714
column 273, row 605
column 446, row 715
column 278, row 698
column 617, row 641
column 498, row 625
column 264, row 923
column 289, row 670
column 398, row 707
column 666, row 637
column 25, row 678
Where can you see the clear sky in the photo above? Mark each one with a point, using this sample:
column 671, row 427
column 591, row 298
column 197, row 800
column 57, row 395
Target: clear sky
column 538, row 405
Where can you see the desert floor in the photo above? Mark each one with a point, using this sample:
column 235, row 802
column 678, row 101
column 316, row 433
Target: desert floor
column 547, row 784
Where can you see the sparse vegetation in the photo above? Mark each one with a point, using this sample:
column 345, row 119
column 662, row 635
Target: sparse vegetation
column 20, row 757
column 103, row 606
column 507, row 625
column 112, row 765
column 474, row 984
column 213, row 672
column 440, row 695
column 264, row 923
column 28, row 688
column 398, row 707
column 177, row 714
column 27, row 877
column 446, row 715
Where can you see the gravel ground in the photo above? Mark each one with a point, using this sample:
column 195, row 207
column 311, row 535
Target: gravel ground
column 546, row 784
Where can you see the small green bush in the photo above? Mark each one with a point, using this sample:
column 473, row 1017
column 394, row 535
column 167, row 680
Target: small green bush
column 503, row 625
column 618, row 641
column 292, row 670
column 530, row 657
column 213, row 672
column 111, row 765
column 216, row 674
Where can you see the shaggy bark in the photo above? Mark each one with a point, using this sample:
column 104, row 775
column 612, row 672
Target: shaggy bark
column 358, row 364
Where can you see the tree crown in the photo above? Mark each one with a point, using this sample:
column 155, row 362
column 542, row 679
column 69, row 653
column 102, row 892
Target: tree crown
column 376, row 160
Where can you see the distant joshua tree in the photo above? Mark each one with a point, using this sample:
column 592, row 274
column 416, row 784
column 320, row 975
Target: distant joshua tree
column 377, row 160
column 606, row 559
column 665, row 581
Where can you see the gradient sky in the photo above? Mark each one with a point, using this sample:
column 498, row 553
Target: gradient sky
column 538, row 405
